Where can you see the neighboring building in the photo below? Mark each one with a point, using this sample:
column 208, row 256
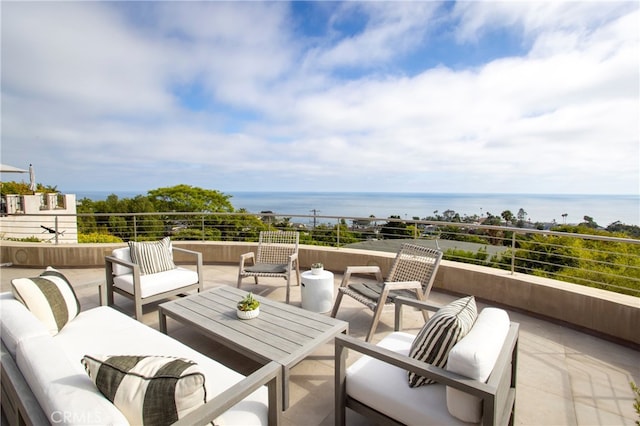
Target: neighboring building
column 48, row 217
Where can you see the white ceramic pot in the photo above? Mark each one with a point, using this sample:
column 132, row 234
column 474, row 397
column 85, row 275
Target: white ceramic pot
column 248, row 314
column 317, row 271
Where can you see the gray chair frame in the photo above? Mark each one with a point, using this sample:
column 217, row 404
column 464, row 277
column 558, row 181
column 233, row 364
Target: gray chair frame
column 139, row 301
column 411, row 275
column 277, row 256
column 498, row 394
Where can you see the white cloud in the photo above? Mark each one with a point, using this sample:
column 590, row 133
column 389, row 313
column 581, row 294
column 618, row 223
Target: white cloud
column 96, row 87
column 392, row 28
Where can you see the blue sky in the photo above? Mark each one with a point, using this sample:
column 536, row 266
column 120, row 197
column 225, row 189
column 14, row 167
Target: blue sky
column 422, row 96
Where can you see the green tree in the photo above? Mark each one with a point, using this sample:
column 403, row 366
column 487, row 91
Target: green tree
column 395, row 228
column 186, row 198
column 507, row 216
column 22, row 188
column 589, row 222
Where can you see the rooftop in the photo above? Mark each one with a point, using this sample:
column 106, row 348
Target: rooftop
column 564, row 376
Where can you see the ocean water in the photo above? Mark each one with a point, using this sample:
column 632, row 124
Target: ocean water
column 604, row 209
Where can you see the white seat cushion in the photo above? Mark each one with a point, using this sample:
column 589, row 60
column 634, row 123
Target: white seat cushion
column 61, row 386
column 157, row 283
column 474, row 356
column 385, row 388
column 104, row 330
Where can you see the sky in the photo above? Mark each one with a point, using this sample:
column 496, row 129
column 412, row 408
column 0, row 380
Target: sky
column 422, row 96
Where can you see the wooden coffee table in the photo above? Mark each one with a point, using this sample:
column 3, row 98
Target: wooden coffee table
column 282, row 333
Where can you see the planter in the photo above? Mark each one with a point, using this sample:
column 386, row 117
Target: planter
column 317, row 271
column 246, row 315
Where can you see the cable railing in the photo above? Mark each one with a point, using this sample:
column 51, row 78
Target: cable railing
column 601, row 261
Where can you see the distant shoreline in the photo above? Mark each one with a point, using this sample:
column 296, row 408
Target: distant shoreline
column 544, row 208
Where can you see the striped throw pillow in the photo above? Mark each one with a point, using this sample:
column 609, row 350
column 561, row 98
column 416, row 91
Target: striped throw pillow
column 49, row 297
column 443, row 330
column 152, row 257
column 148, row 390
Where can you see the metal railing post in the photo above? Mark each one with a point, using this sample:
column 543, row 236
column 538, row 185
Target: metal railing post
column 135, row 229
column 513, row 253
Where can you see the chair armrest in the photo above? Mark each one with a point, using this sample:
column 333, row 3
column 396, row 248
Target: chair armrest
column 269, row 375
column 246, row 256
column 195, row 254
column 187, row 251
column 135, row 268
column 198, row 260
column 360, row 270
column 110, row 260
column 418, row 304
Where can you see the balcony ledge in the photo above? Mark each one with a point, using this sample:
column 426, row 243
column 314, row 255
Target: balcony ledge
column 603, row 313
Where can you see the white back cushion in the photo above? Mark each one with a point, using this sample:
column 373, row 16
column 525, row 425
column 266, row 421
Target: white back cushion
column 122, row 254
column 17, row 323
column 474, row 356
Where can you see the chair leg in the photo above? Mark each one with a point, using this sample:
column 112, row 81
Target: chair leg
column 288, row 288
column 336, row 304
column 239, row 280
column 374, row 322
column 138, row 304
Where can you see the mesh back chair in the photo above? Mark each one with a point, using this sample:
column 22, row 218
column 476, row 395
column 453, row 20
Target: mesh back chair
column 277, row 256
column 411, row 275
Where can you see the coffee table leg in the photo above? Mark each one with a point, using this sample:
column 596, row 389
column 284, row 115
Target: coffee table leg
column 162, row 320
column 285, row 388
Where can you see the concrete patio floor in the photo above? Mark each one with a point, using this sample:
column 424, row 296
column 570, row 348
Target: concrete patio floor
column 565, row 377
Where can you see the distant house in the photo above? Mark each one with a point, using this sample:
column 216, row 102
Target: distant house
column 45, row 216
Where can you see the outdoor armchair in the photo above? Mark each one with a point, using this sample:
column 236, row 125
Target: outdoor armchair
column 128, row 278
column 411, row 275
column 277, row 256
column 376, row 384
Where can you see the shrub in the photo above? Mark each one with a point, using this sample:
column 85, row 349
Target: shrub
column 97, row 237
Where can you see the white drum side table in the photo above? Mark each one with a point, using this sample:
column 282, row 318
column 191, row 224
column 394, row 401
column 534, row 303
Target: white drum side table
column 317, row 291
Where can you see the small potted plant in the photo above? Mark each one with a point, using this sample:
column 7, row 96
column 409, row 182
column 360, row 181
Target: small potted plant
column 248, row 308
column 317, row 268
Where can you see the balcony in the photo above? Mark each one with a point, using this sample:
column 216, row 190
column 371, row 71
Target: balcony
column 567, row 373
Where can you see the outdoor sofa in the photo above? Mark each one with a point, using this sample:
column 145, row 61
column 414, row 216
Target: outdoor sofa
column 44, row 379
